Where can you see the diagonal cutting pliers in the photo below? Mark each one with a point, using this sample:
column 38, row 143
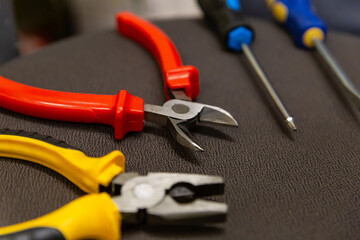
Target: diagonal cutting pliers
column 123, row 111
column 155, row 198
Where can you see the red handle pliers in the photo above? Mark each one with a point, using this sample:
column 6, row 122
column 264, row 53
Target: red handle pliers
column 123, row 111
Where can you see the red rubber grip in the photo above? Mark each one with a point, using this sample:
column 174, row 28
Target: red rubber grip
column 176, row 76
column 123, row 111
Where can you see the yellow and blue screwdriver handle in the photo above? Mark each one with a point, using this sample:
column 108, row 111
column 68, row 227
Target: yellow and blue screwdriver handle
column 89, row 174
column 301, row 21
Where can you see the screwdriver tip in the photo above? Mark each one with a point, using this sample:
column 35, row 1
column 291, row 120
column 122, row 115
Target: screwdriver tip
column 291, row 124
column 198, row 148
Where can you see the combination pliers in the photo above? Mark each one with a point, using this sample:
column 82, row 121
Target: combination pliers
column 123, row 111
column 114, row 196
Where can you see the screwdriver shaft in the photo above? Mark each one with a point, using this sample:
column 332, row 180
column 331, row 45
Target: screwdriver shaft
column 280, row 108
column 344, row 81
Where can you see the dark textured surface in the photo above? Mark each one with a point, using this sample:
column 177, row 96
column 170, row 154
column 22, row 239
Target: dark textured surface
column 8, row 45
column 277, row 188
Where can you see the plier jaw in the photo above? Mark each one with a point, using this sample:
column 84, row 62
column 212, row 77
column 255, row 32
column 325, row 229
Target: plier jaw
column 179, row 116
column 170, row 198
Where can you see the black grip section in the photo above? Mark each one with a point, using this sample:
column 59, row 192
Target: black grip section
column 222, row 19
column 40, row 233
column 36, row 136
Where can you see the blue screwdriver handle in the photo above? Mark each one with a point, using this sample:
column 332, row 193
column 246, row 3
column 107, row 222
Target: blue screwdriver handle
column 300, row 19
column 226, row 19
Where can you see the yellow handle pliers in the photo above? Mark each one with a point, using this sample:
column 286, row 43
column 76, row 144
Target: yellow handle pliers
column 156, row 198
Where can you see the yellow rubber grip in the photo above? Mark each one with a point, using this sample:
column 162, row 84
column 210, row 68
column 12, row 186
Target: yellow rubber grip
column 311, row 34
column 85, row 172
column 94, row 216
column 279, row 10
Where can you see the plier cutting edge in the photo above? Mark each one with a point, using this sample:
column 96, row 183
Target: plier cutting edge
column 123, row 111
column 156, row 198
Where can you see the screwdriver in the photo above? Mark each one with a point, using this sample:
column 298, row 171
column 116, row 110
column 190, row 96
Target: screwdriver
column 309, row 31
column 236, row 35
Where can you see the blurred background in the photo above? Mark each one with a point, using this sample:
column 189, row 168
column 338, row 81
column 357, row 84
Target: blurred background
column 26, row 26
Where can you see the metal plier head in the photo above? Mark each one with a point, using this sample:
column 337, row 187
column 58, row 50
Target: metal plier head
column 181, row 82
column 169, row 198
column 179, row 116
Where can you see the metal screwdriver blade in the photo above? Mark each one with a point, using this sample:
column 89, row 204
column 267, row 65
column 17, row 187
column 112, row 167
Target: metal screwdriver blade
column 343, row 80
column 280, row 108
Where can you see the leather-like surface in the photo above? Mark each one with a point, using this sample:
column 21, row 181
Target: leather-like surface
column 8, row 39
column 276, row 188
